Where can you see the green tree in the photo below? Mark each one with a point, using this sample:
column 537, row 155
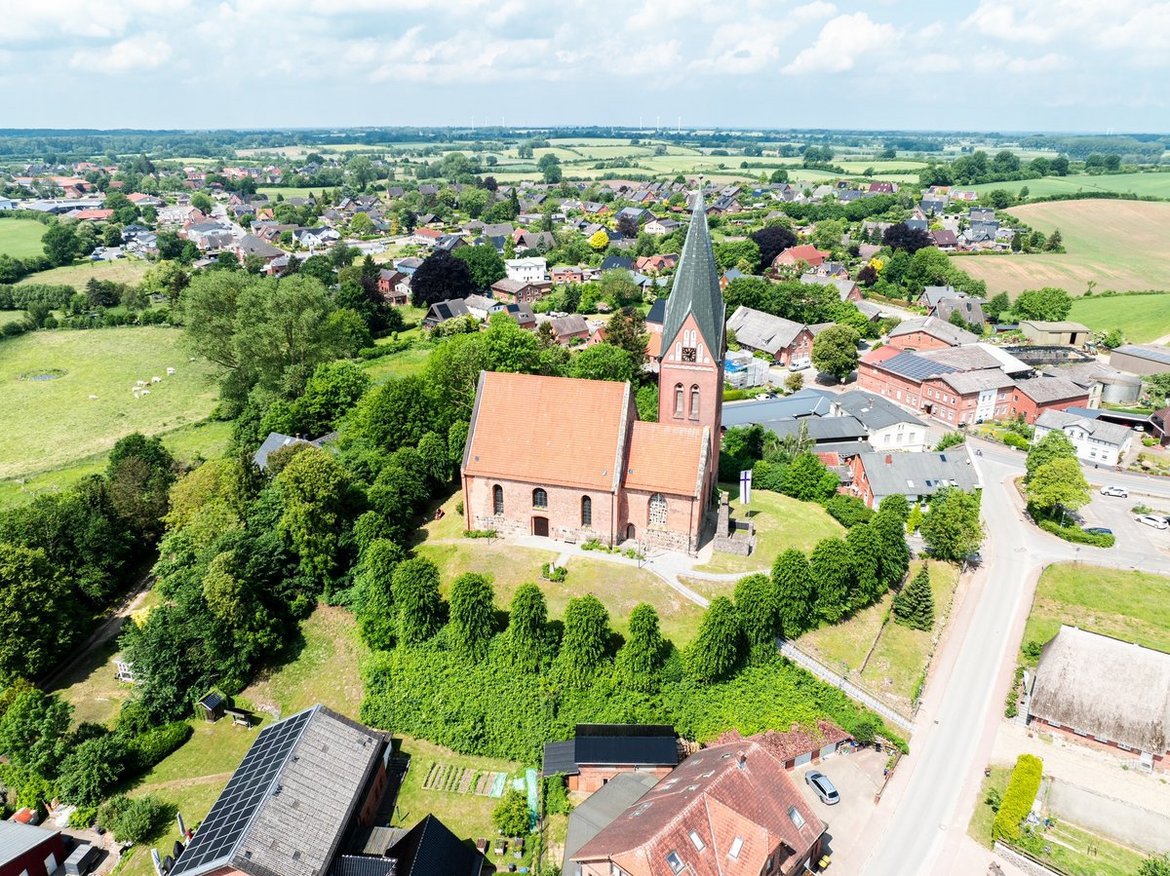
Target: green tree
column 91, row 769
column 952, row 530
column 1048, row 303
column 759, row 614
column 619, row 289
column 332, row 391
column 361, row 225
column 1059, row 484
column 511, row 814
column 792, row 581
column 484, row 263
column 718, row 649
column 914, row 604
column 318, row 503
column 473, row 611
column 640, row 660
column 1155, row 865
column 808, row 479
column 373, row 600
column 626, row 329
column 1053, row 446
column 61, row 243
column 835, row 351
column 140, row 474
column 435, row 456
column 528, row 636
column 440, row 277
column 896, row 504
column 893, row 552
column 831, row 567
column 602, row 362
column 864, row 544
column 34, row 732
column 586, row 640
column 35, row 612
column 415, row 584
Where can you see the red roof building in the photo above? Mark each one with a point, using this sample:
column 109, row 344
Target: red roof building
column 795, row 255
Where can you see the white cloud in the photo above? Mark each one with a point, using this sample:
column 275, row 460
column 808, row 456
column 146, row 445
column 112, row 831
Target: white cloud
column 996, row 18
column 34, row 20
column 841, row 42
column 143, row 52
column 1043, row 64
column 814, row 11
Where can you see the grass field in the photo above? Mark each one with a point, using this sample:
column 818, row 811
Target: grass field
column 1119, row 246
column 781, row 523
column 52, row 422
column 289, row 192
column 1141, row 318
column 129, row 271
column 402, row 364
column 21, row 238
column 1131, row 606
column 1142, row 184
column 900, row 656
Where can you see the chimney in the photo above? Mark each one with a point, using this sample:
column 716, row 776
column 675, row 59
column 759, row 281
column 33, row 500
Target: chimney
column 889, row 459
column 741, row 760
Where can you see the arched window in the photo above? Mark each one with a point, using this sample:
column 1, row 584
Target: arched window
column 658, row 510
column 539, row 498
column 497, row 499
column 586, row 511
column 678, row 399
column 694, row 402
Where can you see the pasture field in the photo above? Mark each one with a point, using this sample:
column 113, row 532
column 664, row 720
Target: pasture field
column 47, row 379
column 1155, row 185
column 21, row 238
column 1141, row 318
column 287, row 192
column 128, row 271
column 1119, row 246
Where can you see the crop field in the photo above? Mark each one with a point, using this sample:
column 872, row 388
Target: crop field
column 1141, row 318
column 122, row 271
column 1118, row 246
column 21, row 238
column 49, row 382
column 1142, row 184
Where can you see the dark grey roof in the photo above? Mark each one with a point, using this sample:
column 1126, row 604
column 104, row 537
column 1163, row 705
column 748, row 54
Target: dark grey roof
column 1160, row 355
column 626, row 743
column 445, row 310
column 657, row 312
column 606, row 804
column 359, row 865
column 430, row 849
column 17, row 839
column 273, row 443
column 1049, row 389
column 696, row 288
column 560, row 757
column 918, row 474
column 914, row 366
column 935, row 294
column 873, row 410
column 805, row 403
column 290, row 801
column 822, row 429
column 1108, row 433
column 617, row 263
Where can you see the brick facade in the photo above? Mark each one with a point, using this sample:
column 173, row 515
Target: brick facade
column 592, row 778
column 682, row 382
column 1029, row 409
column 918, row 341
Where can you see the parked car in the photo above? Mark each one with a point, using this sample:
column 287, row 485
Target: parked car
column 1117, row 492
column 1154, row 521
column 822, row 787
column 1098, row 530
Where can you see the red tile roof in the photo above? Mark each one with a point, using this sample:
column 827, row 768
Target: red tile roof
column 666, row 458
column 548, row 430
column 805, row 252
column 716, row 797
column 797, row 741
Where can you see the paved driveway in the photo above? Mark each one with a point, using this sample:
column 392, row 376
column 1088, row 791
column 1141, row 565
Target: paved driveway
column 857, row 777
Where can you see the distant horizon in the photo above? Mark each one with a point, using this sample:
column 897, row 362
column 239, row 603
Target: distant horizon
column 1075, row 66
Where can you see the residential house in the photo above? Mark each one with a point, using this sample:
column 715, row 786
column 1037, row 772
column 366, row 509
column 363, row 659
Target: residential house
column 441, row 311
column 569, row 328
column 529, row 270
column 656, row 264
column 945, row 239
column 394, row 286
column 563, row 274
column 482, row 307
column 730, row 808
column 932, row 295
column 450, row 243
column 140, row 200
column 1034, row 396
column 805, row 253
column 659, row 227
column 251, row 246
column 786, row 342
column 1095, row 440
column 847, row 290
column 599, row 752
column 425, row 236
column 523, row 315
column 276, row 441
column 600, row 809
column 408, row 265
column 1104, row 693
column 929, row 333
column 28, row 850
column 519, row 291
column 887, row 426
column 1061, row 333
column 917, row 476
column 970, row 310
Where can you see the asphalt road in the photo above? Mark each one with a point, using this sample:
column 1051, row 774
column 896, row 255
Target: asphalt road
column 926, row 832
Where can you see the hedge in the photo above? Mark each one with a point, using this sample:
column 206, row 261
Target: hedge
column 152, row 746
column 1018, row 798
column 1076, row 534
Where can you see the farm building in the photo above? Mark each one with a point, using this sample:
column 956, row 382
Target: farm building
column 1141, row 359
column 929, row 333
column 27, row 850
column 1055, row 334
column 1076, row 691
column 599, row 752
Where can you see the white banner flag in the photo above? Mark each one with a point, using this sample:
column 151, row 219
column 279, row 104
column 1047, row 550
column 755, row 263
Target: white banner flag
column 745, row 486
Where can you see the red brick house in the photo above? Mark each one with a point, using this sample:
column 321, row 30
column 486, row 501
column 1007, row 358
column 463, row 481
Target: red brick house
column 27, row 850
column 805, row 253
column 929, row 333
column 599, row 752
column 519, row 292
column 1048, row 393
column 655, row 264
column 394, row 287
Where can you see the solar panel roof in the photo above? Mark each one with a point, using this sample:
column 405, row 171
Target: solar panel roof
column 250, row 785
column 915, row 367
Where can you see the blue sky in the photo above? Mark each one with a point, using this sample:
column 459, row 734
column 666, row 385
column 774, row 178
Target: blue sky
column 1077, row 65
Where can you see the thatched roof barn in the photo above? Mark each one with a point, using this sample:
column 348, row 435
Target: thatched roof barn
column 1101, row 687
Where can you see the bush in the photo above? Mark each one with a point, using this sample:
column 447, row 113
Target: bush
column 1011, row 439
column 848, row 510
column 1018, row 798
column 479, row 533
column 511, row 815
column 556, row 796
column 152, row 746
column 553, row 573
column 1076, row 535
column 134, row 820
column 82, row 817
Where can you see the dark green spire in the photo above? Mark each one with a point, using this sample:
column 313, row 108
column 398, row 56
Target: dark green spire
column 696, row 286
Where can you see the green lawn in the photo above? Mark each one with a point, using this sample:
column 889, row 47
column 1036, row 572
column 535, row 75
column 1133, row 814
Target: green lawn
column 289, row 192
column 403, row 364
column 21, row 238
column 1118, row 246
column 7, row 316
column 781, row 523
column 1131, row 606
column 900, row 655
column 122, row 271
column 53, row 422
column 1143, row 184
column 1141, row 318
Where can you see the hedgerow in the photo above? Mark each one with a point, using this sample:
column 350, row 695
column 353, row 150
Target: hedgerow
column 1017, row 799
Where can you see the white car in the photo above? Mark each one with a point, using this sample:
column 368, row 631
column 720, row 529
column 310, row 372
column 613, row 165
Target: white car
column 1154, row 521
column 1118, row 492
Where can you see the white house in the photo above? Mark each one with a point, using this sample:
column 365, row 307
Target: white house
column 889, row 427
column 1095, row 441
column 661, row 226
column 531, row 270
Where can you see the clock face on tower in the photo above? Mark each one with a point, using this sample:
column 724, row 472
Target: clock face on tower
column 688, row 354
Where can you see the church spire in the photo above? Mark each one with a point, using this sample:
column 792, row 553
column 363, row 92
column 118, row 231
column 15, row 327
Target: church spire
column 696, row 286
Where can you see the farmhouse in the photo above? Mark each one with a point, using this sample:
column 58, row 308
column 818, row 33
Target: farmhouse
column 786, row 342
column 847, row 290
column 599, row 752
column 1076, row 691
column 1095, row 440
column 569, row 459
column 805, row 253
column 929, row 333
column 1141, row 359
column 27, row 850
column 441, row 311
column 917, row 476
column 1048, row 392
column 1061, row 333
column 731, row 808
column 519, row 291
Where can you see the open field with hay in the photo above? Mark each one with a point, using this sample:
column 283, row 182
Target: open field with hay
column 1156, row 185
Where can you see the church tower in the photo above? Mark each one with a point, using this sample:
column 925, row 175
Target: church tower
column 690, row 367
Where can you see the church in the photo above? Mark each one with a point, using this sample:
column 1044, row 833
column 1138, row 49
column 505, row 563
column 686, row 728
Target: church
column 570, row 460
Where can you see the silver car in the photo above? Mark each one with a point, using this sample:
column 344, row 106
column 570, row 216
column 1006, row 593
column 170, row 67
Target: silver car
column 1154, row 521
column 1117, row 492
column 822, row 787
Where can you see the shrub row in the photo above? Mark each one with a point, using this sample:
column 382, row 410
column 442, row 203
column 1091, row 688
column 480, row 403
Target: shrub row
column 1076, row 534
column 1018, row 798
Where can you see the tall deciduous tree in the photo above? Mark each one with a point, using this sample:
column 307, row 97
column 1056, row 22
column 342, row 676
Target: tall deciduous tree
column 484, row 263
column 794, row 592
column 759, row 612
column 718, row 649
column 472, row 612
column 952, row 530
column 640, row 659
column 440, row 277
column 831, row 570
column 373, row 600
column 34, row 612
column 626, row 329
column 318, row 503
column 1049, row 303
column 835, row 351
column 893, row 553
column 528, row 636
column 1055, row 445
column 140, row 474
column 773, row 240
column 1059, row 484
column 420, row 607
column 586, row 640
column 602, row 362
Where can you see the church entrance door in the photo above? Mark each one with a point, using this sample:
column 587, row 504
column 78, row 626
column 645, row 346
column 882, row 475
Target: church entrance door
column 540, row 526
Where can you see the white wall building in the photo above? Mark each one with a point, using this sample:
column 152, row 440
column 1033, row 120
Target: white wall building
column 1095, row 441
column 531, row 270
